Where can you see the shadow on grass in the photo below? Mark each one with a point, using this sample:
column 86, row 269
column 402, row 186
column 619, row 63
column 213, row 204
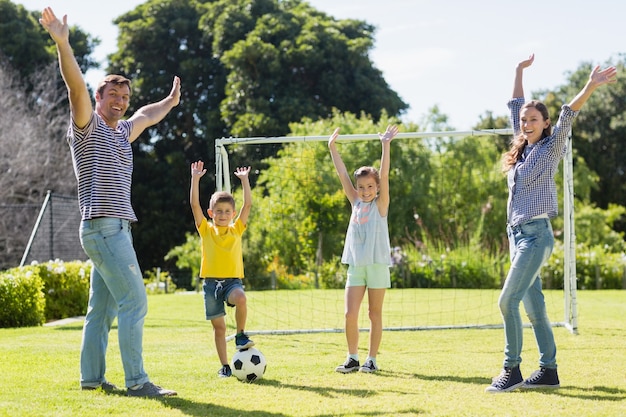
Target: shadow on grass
column 329, row 392
column 408, row 412
column 597, row 393
column 451, row 378
column 585, row 393
column 195, row 408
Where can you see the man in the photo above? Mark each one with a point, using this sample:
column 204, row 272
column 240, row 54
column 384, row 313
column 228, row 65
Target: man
column 100, row 143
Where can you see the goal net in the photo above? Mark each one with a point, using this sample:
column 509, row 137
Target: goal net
column 429, row 290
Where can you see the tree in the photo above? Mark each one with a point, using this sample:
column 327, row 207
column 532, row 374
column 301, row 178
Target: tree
column 21, row 40
column 598, row 138
column 27, row 47
column 297, row 62
column 34, row 156
column 248, row 68
column 34, row 117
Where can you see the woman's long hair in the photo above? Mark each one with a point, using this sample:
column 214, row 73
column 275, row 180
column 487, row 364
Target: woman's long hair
column 518, row 144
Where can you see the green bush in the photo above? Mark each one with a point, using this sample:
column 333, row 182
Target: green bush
column 332, row 274
column 66, row 287
column 460, row 268
column 22, row 301
column 597, row 267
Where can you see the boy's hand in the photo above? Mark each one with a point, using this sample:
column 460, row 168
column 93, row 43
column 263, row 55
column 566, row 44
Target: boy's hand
column 242, row 172
column 197, row 169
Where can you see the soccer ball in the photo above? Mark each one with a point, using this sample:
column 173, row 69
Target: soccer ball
column 248, row 365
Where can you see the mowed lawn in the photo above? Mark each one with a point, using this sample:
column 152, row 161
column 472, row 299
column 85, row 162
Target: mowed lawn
column 423, row 373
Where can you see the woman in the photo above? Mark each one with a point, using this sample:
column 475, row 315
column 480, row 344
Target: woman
column 531, row 164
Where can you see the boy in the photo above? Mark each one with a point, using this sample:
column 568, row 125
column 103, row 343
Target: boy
column 222, row 259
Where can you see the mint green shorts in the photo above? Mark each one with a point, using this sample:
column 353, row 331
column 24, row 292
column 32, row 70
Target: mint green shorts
column 371, row 276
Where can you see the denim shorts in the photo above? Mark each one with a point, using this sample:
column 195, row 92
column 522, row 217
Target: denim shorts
column 372, row 276
column 216, row 292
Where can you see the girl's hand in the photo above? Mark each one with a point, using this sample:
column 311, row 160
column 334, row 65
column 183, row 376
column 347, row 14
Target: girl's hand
column 390, row 133
column 527, row 62
column 606, row 76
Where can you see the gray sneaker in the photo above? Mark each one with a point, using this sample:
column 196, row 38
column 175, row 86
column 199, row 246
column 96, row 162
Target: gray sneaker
column 150, row 390
column 105, row 386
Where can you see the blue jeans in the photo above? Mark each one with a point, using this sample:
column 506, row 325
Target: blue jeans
column 530, row 247
column 116, row 289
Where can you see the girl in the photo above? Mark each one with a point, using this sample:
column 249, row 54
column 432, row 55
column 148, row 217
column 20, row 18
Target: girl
column 366, row 249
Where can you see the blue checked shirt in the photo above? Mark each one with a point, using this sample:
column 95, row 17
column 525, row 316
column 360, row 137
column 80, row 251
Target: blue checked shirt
column 532, row 189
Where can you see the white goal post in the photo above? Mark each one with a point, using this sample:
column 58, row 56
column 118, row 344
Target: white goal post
column 570, row 319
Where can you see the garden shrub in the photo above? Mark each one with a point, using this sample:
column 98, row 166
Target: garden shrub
column 415, row 268
column 332, row 274
column 22, row 301
column 597, row 267
column 66, row 287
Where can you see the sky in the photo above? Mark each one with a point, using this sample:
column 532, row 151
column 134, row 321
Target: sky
column 458, row 55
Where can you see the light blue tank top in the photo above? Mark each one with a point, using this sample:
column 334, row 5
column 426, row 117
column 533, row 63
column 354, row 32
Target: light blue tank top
column 367, row 238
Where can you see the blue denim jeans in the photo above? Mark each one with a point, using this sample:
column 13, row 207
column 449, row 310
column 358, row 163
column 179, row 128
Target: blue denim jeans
column 116, row 289
column 530, row 247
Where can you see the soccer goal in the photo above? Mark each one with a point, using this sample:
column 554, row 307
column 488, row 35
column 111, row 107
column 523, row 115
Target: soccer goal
column 404, row 308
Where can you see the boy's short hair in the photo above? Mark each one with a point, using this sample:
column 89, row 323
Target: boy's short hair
column 221, row 197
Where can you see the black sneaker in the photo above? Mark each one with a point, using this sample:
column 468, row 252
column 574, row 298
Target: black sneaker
column 242, row 341
column 508, row 380
column 350, row 365
column 224, row 371
column 543, row 378
column 150, row 390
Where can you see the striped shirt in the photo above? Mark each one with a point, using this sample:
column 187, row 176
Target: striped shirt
column 103, row 165
column 532, row 189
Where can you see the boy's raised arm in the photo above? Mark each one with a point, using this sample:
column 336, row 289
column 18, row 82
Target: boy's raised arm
column 243, row 174
column 197, row 171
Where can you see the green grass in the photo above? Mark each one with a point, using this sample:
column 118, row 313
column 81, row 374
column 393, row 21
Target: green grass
column 423, row 373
